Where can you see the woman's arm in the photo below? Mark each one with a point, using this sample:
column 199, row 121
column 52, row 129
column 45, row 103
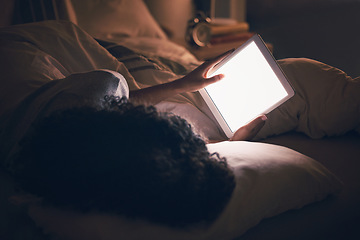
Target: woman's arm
column 192, row 82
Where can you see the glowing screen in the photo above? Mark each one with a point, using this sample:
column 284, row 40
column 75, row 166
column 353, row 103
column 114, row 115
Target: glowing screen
column 250, row 87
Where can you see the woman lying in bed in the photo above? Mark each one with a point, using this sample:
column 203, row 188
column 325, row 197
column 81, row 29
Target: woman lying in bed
column 85, row 146
column 117, row 157
column 69, row 144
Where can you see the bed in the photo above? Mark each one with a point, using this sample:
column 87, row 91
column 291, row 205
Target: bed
column 298, row 180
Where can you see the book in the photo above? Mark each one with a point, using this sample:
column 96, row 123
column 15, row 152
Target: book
column 229, row 28
column 242, row 36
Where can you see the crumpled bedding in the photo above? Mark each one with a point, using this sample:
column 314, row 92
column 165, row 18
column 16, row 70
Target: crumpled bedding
column 326, row 103
column 29, row 59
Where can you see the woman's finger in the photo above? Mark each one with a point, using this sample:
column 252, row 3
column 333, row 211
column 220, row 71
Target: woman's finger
column 250, row 130
column 214, row 79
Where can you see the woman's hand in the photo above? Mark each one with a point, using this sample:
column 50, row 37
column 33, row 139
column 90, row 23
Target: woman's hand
column 192, row 82
column 250, row 130
column 197, row 79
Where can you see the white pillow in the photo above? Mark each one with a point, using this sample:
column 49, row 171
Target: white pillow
column 108, row 19
column 326, row 101
column 173, row 15
column 270, row 180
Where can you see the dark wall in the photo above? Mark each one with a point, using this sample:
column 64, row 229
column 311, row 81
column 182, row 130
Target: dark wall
column 26, row 11
column 324, row 30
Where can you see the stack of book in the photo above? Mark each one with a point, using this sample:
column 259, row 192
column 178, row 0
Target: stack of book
column 225, row 35
column 230, row 32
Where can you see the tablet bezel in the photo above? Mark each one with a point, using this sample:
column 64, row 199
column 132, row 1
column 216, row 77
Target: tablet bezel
column 274, row 66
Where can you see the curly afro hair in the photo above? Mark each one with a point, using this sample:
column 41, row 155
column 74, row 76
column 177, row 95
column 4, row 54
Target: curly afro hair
column 125, row 159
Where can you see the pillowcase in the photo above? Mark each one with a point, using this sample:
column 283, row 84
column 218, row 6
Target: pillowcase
column 270, row 179
column 111, row 19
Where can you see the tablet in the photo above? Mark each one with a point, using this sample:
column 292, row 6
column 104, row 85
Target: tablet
column 254, row 84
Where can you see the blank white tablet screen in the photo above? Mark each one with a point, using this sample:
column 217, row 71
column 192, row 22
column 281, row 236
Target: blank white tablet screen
column 250, row 87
